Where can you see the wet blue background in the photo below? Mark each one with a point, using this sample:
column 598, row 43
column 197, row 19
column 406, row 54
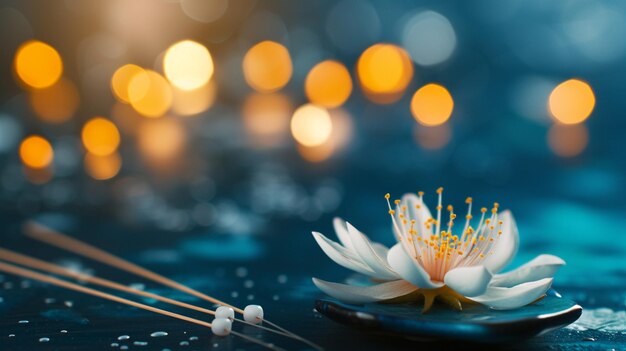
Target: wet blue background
column 264, row 203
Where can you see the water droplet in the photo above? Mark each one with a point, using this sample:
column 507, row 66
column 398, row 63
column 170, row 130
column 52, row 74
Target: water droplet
column 282, row 279
column 140, row 343
column 23, row 322
column 64, row 331
column 123, row 347
column 49, row 300
column 216, row 345
column 184, row 343
column 275, row 297
column 114, row 344
column 69, row 303
column 193, row 338
column 123, row 337
column 250, row 297
column 234, row 294
column 589, row 339
column 248, row 284
column 157, row 334
column 11, row 335
column 44, row 339
column 137, row 286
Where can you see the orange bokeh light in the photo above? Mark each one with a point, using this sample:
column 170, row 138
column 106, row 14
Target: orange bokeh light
column 432, row 105
column 266, row 118
column 57, row 103
column 150, row 94
column 102, row 167
column 572, row 101
column 267, row 66
column 36, row 152
column 328, row 84
column 121, row 80
column 384, row 71
column 568, row 140
column 37, row 64
column 100, row 136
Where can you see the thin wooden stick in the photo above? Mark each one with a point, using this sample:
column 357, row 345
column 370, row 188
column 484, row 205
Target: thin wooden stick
column 27, row 273
column 14, row 257
column 52, row 237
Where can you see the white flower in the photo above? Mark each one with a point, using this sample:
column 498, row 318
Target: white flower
column 430, row 261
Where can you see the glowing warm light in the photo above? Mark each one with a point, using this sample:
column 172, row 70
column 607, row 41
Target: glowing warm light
column 568, row 140
column 57, row 103
column 102, row 167
column 328, row 84
column 160, row 140
column 433, row 138
column 121, row 80
column 384, row 71
column 100, row 136
column 192, row 102
column 572, row 101
column 150, row 94
column 36, row 152
column 311, row 125
column 188, row 65
column 266, row 118
column 339, row 138
column 267, row 66
column 38, row 64
column 432, row 105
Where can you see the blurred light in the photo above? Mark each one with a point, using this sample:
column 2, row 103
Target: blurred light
column 266, row 118
column 267, row 66
column 328, row 84
column 57, row 103
column 353, row 25
column 160, row 140
column 102, row 167
column 341, row 135
column 126, row 118
column 572, row 101
column 311, row 125
column 429, row 38
column 188, row 65
column 121, row 80
column 384, row 72
column 432, row 105
column 100, row 136
column 192, row 102
column 38, row 175
column 150, row 94
column 10, row 132
column 38, row 64
column 568, row 140
column 36, row 152
column 528, row 98
column 203, row 10
column 433, row 138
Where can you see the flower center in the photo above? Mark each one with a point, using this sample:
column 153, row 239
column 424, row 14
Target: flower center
column 439, row 250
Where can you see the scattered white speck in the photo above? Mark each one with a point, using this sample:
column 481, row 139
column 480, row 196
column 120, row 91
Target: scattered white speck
column 49, row 300
column 11, row 335
column 216, row 345
column 63, row 331
column 184, row 343
column 275, row 297
column 248, row 284
column 250, row 297
column 282, row 279
column 123, row 347
column 69, row 303
column 140, row 343
column 123, row 337
column 44, row 339
column 234, row 294
column 193, row 338
column 137, row 286
column 114, row 344
column 23, row 322
column 158, row 334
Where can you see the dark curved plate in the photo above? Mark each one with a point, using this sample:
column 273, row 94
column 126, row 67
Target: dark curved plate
column 474, row 323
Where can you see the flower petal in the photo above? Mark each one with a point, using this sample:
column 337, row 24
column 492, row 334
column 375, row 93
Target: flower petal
column 342, row 233
column 505, row 248
column 365, row 294
column 381, row 250
column 409, row 269
column 341, row 255
column 468, row 281
column 542, row 266
column 420, row 215
column 368, row 255
column 499, row 298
